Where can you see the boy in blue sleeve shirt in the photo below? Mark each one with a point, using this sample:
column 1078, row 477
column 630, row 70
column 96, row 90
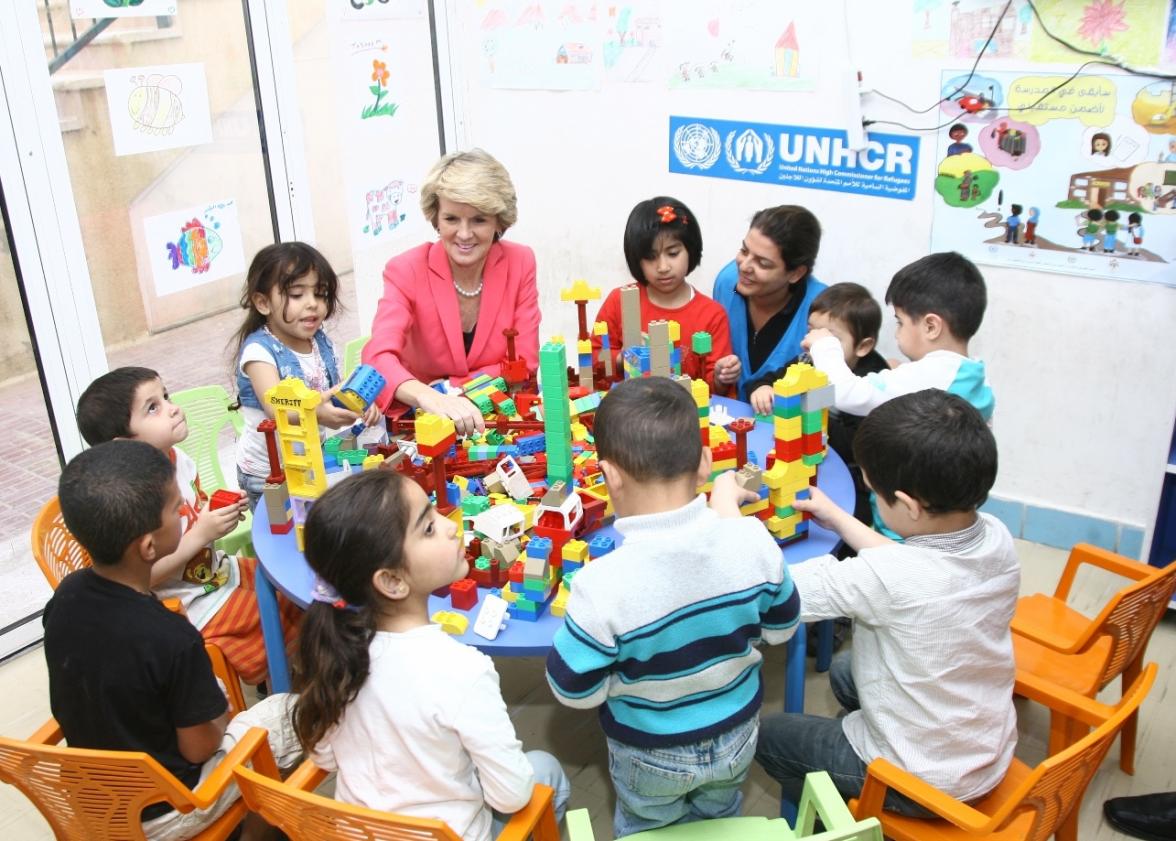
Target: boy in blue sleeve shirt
column 663, row 631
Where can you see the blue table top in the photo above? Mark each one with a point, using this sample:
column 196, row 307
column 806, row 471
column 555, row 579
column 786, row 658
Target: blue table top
column 288, row 571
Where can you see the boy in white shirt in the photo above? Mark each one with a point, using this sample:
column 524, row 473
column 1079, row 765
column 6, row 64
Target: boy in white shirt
column 928, row 683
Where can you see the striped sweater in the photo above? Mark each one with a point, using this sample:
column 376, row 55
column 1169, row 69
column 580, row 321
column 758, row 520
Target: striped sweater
column 663, row 630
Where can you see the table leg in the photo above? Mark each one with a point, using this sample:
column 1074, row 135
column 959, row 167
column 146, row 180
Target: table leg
column 824, row 644
column 271, row 631
column 794, row 672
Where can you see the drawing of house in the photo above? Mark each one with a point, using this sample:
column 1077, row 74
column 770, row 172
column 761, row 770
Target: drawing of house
column 787, row 53
column 1100, row 187
column 969, row 31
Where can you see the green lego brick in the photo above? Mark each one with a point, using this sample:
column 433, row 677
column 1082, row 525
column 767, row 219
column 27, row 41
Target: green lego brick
column 813, row 459
column 810, row 422
column 701, row 342
column 473, row 504
column 786, row 511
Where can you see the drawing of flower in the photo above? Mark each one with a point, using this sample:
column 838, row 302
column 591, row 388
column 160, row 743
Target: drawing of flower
column 380, row 76
column 380, row 72
column 1101, row 20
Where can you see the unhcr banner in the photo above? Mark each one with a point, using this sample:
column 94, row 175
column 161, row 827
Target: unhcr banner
column 813, row 158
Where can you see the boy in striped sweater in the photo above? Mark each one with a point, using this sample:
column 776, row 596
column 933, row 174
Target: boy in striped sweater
column 662, row 633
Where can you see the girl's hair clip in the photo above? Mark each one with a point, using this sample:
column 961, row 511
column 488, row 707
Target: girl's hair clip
column 668, row 214
column 325, row 593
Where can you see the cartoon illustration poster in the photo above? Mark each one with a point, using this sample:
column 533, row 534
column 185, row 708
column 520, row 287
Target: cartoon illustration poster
column 1170, row 44
column 748, row 44
column 155, row 108
column 541, row 44
column 1071, row 176
column 633, row 39
column 194, row 245
column 121, row 8
column 373, row 78
column 959, row 29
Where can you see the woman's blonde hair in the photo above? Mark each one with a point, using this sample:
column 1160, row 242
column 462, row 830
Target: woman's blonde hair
column 475, row 178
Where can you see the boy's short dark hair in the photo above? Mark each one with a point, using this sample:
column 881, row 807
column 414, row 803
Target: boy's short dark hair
column 854, row 306
column 931, row 445
column 113, row 494
column 104, row 409
column 646, row 223
column 946, row 284
column 648, row 427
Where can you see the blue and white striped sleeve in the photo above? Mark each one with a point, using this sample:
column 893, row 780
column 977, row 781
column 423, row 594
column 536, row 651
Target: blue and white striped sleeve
column 780, row 618
column 578, row 666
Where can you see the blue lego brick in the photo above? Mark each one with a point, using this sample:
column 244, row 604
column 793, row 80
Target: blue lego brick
column 570, row 567
column 529, row 445
column 805, row 494
column 539, row 547
column 568, row 577
column 453, row 493
column 600, row 545
column 365, row 382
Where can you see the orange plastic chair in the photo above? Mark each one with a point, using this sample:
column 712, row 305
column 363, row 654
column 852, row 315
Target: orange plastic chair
column 56, row 551
column 1030, row 804
column 98, row 795
column 294, row 808
column 1055, row 642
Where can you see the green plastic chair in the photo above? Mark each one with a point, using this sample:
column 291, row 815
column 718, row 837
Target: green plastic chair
column 820, row 799
column 352, row 351
column 207, row 410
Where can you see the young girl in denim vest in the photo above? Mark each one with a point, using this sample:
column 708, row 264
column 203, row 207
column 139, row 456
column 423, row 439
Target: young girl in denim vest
column 412, row 719
column 290, row 291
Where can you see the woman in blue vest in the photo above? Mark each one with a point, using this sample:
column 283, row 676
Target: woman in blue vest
column 766, row 290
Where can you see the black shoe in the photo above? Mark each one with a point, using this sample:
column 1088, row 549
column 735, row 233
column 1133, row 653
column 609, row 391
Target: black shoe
column 262, row 690
column 1148, row 816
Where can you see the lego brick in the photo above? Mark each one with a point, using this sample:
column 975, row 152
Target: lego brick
column 463, row 595
column 818, row 398
column 600, row 545
column 787, row 428
column 701, row 343
column 450, row 622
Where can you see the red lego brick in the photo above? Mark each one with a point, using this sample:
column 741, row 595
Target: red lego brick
column 811, row 444
column 224, row 498
column 524, row 400
column 789, row 450
column 723, row 451
column 517, row 571
column 463, row 595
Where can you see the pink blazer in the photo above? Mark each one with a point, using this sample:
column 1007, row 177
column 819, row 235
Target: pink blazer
column 416, row 334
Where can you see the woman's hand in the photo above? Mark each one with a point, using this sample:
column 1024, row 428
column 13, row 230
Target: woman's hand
column 727, row 369
column 466, row 417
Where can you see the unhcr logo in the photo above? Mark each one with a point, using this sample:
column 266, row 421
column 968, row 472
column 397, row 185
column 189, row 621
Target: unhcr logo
column 749, row 152
column 697, row 146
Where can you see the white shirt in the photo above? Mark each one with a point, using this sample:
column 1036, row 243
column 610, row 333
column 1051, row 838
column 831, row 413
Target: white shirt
column 932, row 653
column 429, row 736
column 252, row 456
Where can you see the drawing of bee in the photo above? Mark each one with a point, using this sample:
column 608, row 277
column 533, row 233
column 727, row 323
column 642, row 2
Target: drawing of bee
column 154, row 104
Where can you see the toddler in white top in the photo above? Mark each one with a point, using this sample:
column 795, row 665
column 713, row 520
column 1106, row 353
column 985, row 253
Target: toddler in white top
column 413, row 720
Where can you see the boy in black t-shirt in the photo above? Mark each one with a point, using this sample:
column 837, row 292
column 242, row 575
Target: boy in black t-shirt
column 849, row 312
column 126, row 673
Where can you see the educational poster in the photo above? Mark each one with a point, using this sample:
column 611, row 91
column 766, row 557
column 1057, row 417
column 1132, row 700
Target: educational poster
column 373, row 79
column 794, row 156
column 155, row 108
column 366, row 10
column 194, row 246
column 1129, row 29
column 747, row 44
column 121, row 8
column 541, row 44
column 633, row 39
column 1080, row 180
column 382, row 207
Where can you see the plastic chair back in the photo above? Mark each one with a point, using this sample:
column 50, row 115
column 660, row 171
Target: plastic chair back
column 1130, row 618
column 95, row 795
column 207, row 411
column 306, row 816
column 55, row 549
column 352, row 353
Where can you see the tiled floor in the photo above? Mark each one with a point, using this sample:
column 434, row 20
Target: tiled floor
column 575, row 737
column 195, row 354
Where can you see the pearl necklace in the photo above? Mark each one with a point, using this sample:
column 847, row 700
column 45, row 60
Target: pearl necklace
column 466, row 294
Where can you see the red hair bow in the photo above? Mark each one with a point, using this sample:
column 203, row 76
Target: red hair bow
column 667, row 214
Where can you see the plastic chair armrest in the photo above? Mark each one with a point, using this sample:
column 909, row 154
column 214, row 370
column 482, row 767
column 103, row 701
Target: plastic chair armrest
column 821, row 798
column 529, row 821
column 48, row 733
column 307, row 776
column 1084, row 553
column 881, row 775
column 579, row 825
column 1060, row 699
column 253, row 749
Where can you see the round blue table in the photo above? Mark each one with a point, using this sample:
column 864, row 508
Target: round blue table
column 281, row 567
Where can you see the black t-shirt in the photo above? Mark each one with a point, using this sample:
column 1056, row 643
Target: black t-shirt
column 125, row 672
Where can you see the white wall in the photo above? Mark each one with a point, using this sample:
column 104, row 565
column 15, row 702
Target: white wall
column 1082, row 368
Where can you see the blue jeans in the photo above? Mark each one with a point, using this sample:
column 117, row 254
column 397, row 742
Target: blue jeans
column 793, row 744
column 549, row 772
column 252, row 485
column 660, row 786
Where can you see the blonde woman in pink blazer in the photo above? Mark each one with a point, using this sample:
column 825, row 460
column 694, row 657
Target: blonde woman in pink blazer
column 447, row 302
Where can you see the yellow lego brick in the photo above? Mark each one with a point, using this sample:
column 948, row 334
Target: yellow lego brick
column 785, row 474
column 799, row 378
column 463, row 484
column 431, row 429
column 752, row 508
column 559, row 605
column 496, row 498
column 451, row 622
column 455, row 516
column 723, row 465
column 701, row 393
column 675, row 331
column 600, row 328
column 584, row 346
column 299, row 537
column 786, row 429
column 508, row 594
column 373, row 461
column 528, row 512
column 580, row 291
column 719, row 435
column 579, row 432
column 575, row 550
column 556, row 340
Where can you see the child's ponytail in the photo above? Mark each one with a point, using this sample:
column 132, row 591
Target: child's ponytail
column 354, row 530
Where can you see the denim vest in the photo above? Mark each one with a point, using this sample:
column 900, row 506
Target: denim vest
column 287, row 362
